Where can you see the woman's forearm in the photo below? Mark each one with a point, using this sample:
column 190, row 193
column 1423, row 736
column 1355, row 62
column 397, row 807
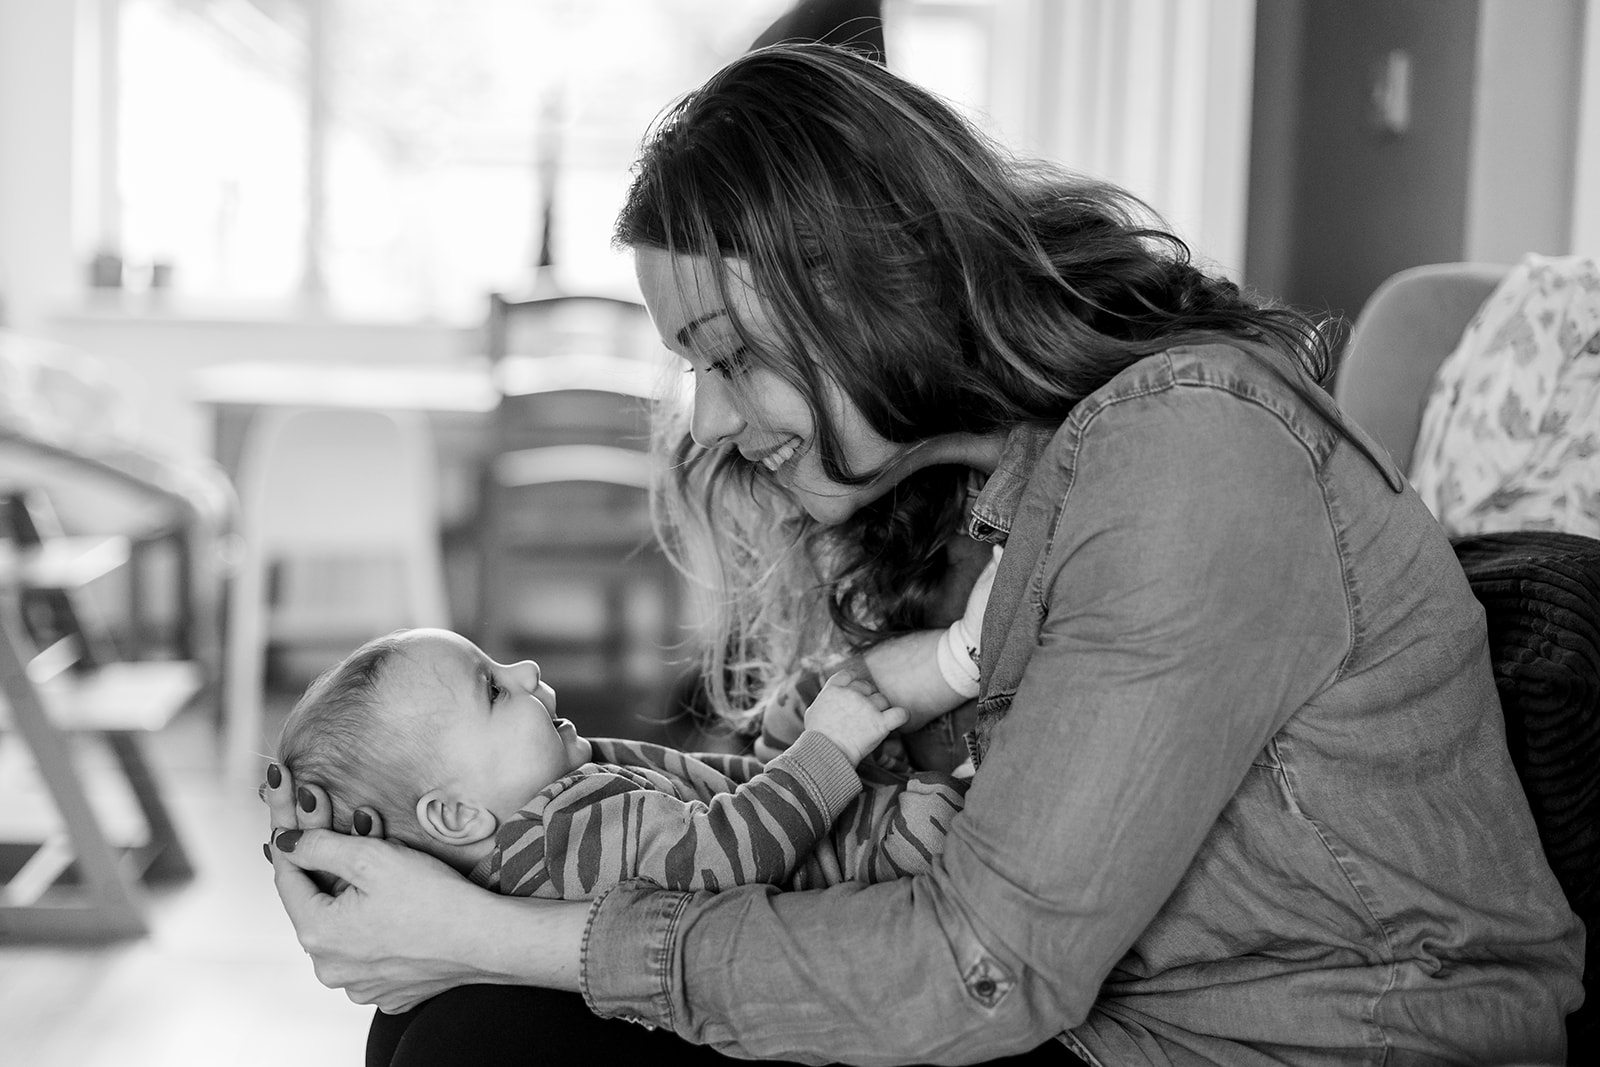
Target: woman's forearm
column 514, row 941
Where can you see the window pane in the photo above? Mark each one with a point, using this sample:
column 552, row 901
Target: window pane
column 212, row 144
column 945, row 46
column 449, row 124
column 453, row 120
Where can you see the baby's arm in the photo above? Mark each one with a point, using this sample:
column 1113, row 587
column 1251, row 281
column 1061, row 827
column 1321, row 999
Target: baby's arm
column 705, row 774
column 908, row 671
column 932, row 672
column 602, row 828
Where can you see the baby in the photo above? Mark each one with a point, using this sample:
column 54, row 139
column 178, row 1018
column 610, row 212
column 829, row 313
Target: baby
column 465, row 758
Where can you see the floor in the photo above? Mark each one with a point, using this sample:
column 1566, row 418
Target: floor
column 220, row 979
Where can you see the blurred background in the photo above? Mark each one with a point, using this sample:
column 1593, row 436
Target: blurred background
column 311, row 327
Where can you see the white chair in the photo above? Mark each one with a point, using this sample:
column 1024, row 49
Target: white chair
column 337, row 489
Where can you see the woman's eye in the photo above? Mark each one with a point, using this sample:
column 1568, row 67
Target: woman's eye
column 729, row 366
column 736, row 362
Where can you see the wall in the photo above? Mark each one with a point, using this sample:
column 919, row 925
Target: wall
column 1269, row 245
column 38, row 253
column 1523, row 143
column 1586, row 167
column 1485, row 170
column 1363, row 203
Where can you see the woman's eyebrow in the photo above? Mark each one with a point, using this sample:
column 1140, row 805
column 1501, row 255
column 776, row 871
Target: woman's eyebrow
column 688, row 330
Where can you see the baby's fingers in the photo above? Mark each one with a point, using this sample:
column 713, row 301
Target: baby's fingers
column 861, row 683
column 840, row 680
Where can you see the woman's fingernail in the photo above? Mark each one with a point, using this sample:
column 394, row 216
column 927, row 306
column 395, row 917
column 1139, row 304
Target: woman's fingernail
column 274, row 776
column 287, row 839
column 266, row 850
column 363, row 823
column 308, row 799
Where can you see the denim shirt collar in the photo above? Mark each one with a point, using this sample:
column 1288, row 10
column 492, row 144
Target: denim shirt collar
column 995, row 504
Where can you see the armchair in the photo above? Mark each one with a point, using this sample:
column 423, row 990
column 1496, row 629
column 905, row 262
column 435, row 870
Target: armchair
column 1540, row 593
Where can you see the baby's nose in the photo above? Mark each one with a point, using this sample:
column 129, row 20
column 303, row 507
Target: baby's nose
column 527, row 673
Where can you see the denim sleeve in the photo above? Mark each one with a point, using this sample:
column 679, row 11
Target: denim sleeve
column 1179, row 597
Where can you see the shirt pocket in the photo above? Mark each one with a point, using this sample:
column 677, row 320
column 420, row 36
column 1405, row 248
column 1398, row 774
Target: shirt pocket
column 941, row 745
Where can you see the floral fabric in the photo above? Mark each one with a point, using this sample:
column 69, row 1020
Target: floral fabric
column 1510, row 436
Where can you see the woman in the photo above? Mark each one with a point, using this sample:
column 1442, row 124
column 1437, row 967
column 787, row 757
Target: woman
column 1242, row 794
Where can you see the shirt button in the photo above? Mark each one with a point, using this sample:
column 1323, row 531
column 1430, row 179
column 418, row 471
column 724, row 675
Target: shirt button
column 988, row 982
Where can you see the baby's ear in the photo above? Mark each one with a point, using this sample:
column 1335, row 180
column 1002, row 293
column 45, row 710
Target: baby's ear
column 452, row 821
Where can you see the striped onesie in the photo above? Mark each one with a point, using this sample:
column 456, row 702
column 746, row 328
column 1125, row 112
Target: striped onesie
column 711, row 821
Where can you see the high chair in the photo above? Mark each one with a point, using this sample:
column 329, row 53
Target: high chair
column 567, row 558
column 62, row 681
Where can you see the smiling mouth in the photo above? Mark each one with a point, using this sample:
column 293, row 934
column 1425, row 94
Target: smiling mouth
column 779, row 456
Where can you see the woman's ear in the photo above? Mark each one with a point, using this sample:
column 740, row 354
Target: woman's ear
column 452, row 821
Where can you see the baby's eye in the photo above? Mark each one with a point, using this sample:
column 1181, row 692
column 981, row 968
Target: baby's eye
column 496, row 691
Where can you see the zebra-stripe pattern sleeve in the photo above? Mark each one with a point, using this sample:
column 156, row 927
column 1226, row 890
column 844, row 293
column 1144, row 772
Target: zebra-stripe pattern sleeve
column 706, row 773
column 610, row 823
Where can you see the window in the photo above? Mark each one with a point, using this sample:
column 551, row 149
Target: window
column 394, row 158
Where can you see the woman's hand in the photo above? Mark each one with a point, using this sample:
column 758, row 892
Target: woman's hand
column 370, row 913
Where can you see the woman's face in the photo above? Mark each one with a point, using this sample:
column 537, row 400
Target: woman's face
column 751, row 408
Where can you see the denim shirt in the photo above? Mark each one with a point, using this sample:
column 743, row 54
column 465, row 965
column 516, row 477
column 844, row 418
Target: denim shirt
column 1244, row 795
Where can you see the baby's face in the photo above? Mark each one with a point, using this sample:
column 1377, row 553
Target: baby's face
column 497, row 734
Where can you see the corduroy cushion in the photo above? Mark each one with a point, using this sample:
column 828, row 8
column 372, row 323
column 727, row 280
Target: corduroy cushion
column 1541, row 593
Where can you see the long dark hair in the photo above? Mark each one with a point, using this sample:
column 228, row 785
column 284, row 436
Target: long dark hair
column 945, row 286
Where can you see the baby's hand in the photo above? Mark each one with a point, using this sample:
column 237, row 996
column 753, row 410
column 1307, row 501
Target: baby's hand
column 853, row 715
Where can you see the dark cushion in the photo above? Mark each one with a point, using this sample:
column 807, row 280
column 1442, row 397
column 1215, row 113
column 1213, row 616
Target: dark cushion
column 1541, row 593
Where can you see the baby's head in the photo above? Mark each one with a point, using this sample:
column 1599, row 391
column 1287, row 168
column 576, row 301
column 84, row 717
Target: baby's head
column 440, row 740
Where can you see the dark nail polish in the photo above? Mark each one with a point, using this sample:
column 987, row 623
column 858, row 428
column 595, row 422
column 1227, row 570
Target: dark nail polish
column 266, row 850
column 274, row 776
column 308, row 800
column 287, row 839
column 362, row 823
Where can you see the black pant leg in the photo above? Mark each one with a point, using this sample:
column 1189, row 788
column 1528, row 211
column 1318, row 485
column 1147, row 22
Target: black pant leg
column 512, row 1025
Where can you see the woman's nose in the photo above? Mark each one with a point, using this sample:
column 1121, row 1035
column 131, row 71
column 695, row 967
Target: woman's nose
column 716, row 420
